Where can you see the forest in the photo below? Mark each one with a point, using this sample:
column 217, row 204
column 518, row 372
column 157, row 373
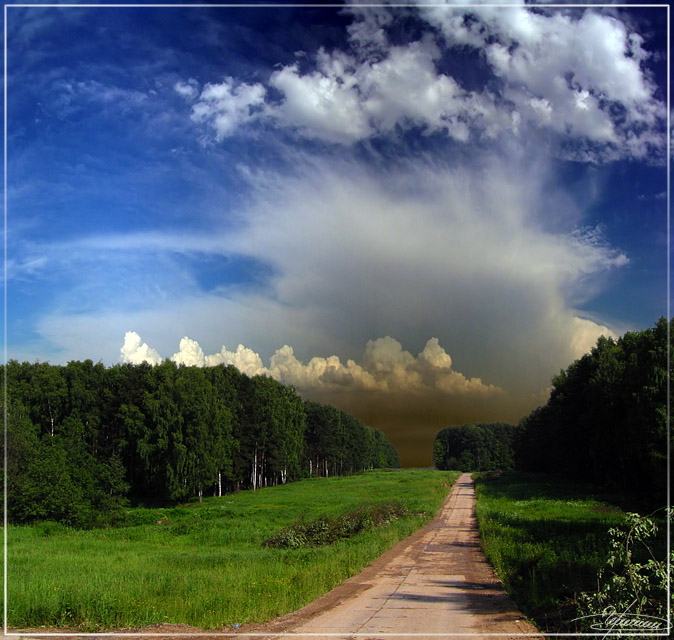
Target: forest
column 606, row 419
column 605, row 423
column 84, row 440
column 476, row 447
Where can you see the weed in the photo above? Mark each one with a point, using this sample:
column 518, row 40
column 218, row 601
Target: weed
column 632, row 587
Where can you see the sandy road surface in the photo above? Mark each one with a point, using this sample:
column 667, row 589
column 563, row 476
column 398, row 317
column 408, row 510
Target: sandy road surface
column 436, row 581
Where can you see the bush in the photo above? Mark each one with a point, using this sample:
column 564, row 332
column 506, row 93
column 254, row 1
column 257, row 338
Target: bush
column 327, row 530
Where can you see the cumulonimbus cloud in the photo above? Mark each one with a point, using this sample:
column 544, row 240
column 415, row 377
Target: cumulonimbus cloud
column 488, row 257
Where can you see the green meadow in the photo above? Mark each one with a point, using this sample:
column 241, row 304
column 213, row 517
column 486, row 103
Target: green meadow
column 547, row 538
column 205, row 564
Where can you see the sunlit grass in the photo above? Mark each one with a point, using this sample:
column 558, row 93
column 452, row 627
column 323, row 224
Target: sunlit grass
column 204, row 564
column 546, row 538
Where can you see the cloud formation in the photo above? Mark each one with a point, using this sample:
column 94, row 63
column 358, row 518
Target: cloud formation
column 578, row 76
column 565, row 72
column 408, row 397
column 225, row 106
column 489, row 256
column 408, row 179
column 386, row 367
column 134, row 351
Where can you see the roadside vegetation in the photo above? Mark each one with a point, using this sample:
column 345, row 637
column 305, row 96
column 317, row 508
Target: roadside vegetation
column 634, row 580
column 330, row 529
column 555, row 540
column 206, row 564
column 549, row 540
column 605, row 423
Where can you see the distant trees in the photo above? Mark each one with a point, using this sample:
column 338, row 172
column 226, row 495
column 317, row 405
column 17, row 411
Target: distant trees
column 476, row 447
column 338, row 443
column 606, row 419
column 83, row 438
column 605, row 422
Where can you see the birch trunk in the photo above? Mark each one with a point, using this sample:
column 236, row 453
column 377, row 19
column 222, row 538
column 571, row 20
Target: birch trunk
column 263, row 472
column 254, row 474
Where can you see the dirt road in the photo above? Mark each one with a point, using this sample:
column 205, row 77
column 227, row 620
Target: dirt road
column 435, row 582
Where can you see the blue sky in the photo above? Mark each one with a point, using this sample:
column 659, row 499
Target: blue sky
column 420, row 214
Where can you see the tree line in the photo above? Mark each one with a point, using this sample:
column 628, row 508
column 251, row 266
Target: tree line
column 476, row 447
column 605, row 422
column 606, row 419
column 83, row 438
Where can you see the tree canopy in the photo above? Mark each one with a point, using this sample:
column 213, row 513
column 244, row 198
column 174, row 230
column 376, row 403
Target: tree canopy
column 82, row 438
column 476, row 447
column 606, row 419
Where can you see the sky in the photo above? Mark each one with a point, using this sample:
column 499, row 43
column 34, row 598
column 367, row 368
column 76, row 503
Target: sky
column 418, row 214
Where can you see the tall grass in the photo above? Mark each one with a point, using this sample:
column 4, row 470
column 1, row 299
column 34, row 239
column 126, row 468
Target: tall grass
column 204, row 564
column 546, row 538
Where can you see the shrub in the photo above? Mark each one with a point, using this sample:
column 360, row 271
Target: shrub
column 327, row 530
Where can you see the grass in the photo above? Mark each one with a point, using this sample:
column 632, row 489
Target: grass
column 204, row 564
column 546, row 538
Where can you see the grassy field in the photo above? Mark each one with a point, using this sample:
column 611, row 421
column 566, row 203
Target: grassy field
column 547, row 539
column 204, row 564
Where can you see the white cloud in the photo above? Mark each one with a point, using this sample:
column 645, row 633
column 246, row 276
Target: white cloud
column 386, row 368
column 562, row 74
column 188, row 90
column 435, row 356
column 244, row 359
column 135, row 352
column 565, row 73
column 228, row 105
column 585, row 336
column 405, row 87
column 324, row 104
column 346, row 99
column 321, row 373
column 190, row 354
column 367, row 33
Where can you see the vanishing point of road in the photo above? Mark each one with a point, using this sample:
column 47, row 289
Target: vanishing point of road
column 437, row 581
